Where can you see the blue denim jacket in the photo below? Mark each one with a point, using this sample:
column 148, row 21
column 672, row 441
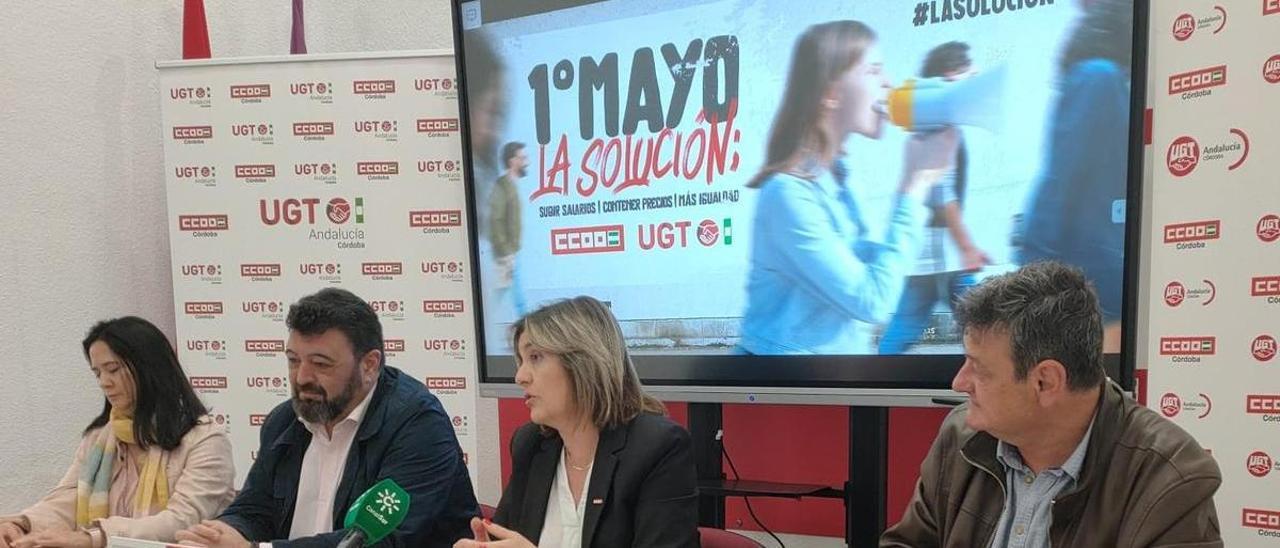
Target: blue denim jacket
column 817, row 284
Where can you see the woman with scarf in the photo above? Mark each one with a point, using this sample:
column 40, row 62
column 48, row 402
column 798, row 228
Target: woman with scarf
column 151, row 464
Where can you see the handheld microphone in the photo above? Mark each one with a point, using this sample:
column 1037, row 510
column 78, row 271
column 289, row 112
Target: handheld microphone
column 375, row 514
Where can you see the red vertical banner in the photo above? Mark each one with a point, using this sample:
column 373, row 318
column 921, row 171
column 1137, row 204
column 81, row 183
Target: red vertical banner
column 1146, row 126
column 195, row 31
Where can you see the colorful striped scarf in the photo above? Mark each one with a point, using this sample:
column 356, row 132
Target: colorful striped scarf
column 94, row 485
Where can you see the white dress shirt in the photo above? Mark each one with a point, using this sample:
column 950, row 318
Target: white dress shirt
column 322, row 468
column 563, row 524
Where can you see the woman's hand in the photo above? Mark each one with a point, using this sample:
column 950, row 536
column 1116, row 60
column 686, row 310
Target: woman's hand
column 927, row 156
column 212, row 533
column 9, row 534
column 55, row 539
column 503, row 537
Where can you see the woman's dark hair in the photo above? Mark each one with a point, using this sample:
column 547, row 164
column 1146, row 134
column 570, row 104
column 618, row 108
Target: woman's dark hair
column 823, row 53
column 1104, row 32
column 165, row 407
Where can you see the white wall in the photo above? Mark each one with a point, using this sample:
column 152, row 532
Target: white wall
column 84, row 234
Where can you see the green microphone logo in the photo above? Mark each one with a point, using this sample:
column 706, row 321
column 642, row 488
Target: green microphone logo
column 375, row 514
column 389, row 501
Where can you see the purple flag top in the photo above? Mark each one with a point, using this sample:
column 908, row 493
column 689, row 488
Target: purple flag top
column 298, row 39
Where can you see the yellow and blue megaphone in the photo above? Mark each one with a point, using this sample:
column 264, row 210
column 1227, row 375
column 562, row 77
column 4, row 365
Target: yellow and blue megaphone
column 925, row 104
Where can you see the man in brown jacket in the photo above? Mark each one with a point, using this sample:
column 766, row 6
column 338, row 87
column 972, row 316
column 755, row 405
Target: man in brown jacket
column 1047, row 451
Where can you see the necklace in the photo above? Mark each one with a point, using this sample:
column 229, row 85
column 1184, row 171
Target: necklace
column 572, row 466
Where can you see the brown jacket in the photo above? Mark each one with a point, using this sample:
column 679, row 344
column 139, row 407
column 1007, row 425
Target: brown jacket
column 201, row 483
column 1145, row 482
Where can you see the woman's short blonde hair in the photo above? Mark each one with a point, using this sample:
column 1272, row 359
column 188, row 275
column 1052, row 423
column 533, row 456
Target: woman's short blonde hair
column 585, row 335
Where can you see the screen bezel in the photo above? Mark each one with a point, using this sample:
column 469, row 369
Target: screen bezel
column 821, row 379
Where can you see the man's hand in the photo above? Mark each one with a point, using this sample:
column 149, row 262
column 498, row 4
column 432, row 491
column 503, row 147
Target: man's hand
column 55, row 539
column 212, row 534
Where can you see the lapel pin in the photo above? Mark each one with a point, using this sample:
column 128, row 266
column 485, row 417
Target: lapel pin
column 597, row 501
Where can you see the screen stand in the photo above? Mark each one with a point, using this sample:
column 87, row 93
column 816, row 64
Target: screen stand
column 864, row 493
column 867, row 489
column 704, row 428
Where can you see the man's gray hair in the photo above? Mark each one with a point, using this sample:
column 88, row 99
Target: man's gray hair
column 1050, row 312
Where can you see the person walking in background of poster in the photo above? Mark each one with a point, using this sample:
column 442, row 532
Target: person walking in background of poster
column 816, row 282
column 1076, row 212
column 939, row 273
column 486, row 116
column 504, row 224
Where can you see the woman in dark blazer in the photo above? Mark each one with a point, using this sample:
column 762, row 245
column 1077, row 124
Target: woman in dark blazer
column 599, row 465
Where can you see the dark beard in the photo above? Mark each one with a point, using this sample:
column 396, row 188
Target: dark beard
column 326, row 409
column 520, row 172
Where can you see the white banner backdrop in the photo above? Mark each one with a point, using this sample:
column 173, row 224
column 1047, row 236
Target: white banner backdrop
column 286, row 175
column 1215, row 260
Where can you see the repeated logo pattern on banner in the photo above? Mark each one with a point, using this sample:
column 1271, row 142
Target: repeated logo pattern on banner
column 1215, row 257
column 295, row 174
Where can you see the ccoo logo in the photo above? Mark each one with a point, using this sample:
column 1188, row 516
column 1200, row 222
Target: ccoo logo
column 266, row 346
column 588, row 239
column 377, row 168
column 255, row 171
column 382, row 269
column 192, row 133
column 1196, row 80
column 1262, row 404
column 251, row 91
column 208, row 383
column 1188, row 346
column 437, row 125
column 1260, row 519
column 312, row 129
column 202, row 308
column 373, row 87
column 1264, row 286
column 435, row 218
column 447, row 383
column 442, row 306
column 1195, row 231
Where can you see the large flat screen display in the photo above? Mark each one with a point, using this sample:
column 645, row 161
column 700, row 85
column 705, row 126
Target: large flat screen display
column 781, row 193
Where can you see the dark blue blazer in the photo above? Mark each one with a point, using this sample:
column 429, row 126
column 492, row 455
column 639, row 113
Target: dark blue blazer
column 405, row 435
